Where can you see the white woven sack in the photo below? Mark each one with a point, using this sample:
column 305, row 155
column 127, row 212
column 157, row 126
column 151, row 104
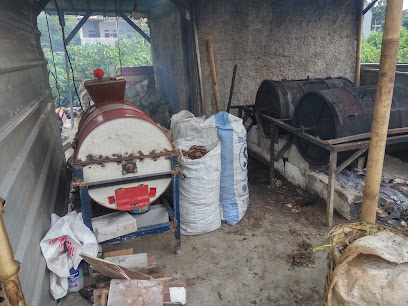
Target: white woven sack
column 199, row 186
column 185, row 124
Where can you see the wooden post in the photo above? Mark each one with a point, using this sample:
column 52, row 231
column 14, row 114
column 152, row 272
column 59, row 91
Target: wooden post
column 331, row 188
column 9, row 267
column 383, row 100
column 213, row 75
column 359, row 40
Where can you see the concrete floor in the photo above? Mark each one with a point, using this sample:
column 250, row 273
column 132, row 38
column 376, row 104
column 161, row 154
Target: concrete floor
column 251, row 263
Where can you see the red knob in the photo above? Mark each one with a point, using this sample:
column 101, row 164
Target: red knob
column 98, row 73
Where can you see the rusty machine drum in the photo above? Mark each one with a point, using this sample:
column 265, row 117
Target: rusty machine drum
column 278, row 99
column 341, row 112
column 116, row 140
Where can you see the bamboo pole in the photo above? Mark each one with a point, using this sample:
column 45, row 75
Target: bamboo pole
column 383, row 100
column 213, row 75
column 359, row 40
column 9, row 267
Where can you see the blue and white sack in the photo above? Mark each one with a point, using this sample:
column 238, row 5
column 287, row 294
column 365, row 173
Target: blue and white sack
column 234, row 194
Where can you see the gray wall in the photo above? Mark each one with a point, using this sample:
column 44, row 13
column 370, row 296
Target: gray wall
column 30, row 144
column 169, row 56
column 273, row 39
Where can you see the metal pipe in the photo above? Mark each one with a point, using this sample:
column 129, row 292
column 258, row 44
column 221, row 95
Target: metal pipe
column 69, row 91
column 385, row 87
column 9, row 267
column 232, row 88
column 359, row 40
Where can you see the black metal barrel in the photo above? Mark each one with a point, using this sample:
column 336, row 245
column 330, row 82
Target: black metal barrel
column 278, row 99
column 342, row 112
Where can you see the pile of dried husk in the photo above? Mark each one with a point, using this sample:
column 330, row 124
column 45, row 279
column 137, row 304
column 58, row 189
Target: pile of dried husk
column 368, row 265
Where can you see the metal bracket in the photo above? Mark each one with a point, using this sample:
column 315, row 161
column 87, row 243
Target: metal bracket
column 129, row 166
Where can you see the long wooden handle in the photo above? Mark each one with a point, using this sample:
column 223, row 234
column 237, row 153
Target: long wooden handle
column 213, row 75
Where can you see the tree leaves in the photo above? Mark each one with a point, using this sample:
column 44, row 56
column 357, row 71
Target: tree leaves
column 371, row 47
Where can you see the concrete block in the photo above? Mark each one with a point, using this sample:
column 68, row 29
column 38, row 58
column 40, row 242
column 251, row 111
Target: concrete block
column 156, row 215
column 293, row 174
column 347, row 202
column 113, row 225
column 292, row 155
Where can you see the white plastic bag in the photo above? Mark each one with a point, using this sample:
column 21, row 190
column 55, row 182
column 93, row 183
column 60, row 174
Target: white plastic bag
column 185, row 124
column 70, row 232
column 234, row 194
column 199, row 187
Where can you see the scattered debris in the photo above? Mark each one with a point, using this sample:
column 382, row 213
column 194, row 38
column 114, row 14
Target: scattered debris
column 403, row 223
column 195, row 152
column 393, row 197
column 288, row 205
column 220, row 296
column 381, row 213
column 277, row 183
column 238, row 232
column 295, row 209
column 303, row 257
column 87, row 292
column 133, row 278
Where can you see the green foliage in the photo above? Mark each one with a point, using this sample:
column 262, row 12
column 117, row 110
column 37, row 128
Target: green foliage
column 55, row 31
column 405, row 22
column 86, row 58
column 379, row 14
column 371, row 47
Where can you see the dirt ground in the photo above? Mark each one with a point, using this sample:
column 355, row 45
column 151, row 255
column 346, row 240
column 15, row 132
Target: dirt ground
column 266, row 259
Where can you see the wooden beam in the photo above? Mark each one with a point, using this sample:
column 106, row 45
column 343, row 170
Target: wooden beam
column 331, row 188
column 198, row 63
column 382, row 108
column 77, row 27
column 360, row 19
column 134, row 26
column 213, row 75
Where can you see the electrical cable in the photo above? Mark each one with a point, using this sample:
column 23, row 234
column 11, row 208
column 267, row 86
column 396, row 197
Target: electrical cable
column 53, row 61
column 117, row 33
column 66, row 52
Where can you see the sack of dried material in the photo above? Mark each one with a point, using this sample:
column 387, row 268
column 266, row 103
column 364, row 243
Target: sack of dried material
column 372, row 270
column 234, row 194
column 199, row 185
column 185, row 124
